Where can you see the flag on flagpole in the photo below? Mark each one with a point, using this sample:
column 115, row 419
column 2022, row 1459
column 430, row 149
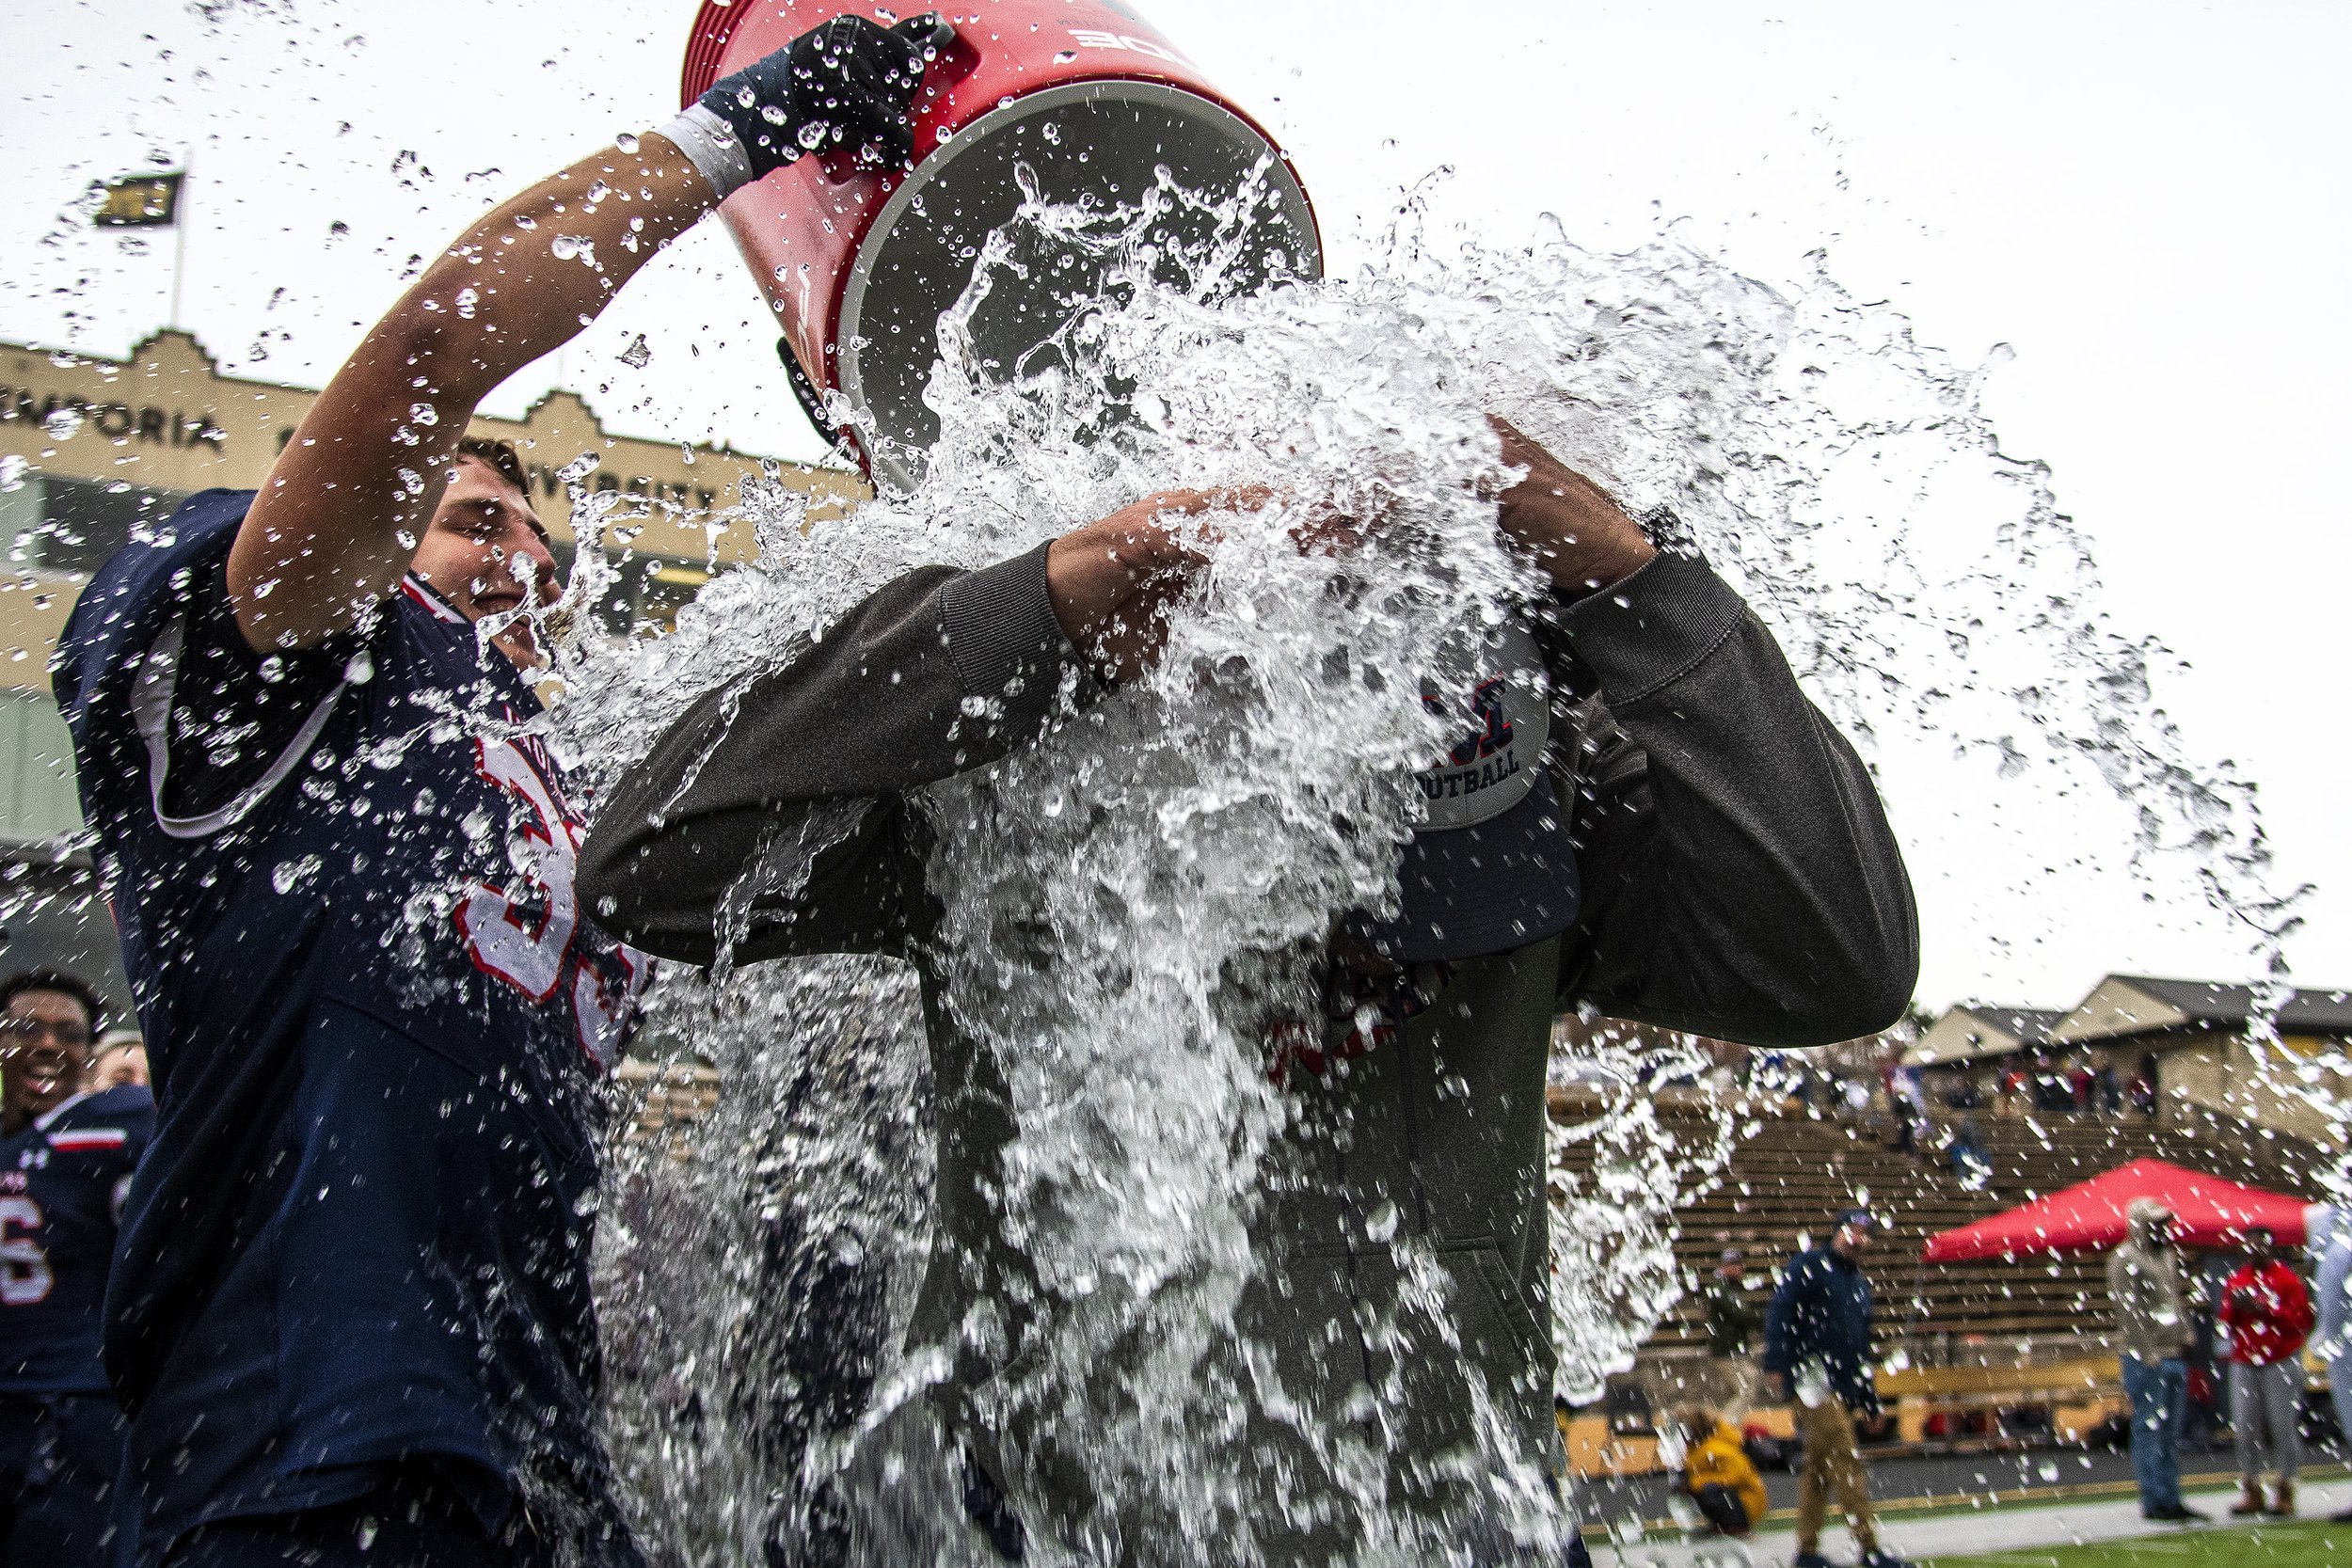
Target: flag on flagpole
column 140, row 201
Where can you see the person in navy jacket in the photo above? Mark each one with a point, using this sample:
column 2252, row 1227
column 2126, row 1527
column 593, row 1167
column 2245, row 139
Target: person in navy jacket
column 1817, row 1345
column 66, row 1158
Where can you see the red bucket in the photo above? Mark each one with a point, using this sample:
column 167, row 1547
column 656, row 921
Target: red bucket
column 1083, row 95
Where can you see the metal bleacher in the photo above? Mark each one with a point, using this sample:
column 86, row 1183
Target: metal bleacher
column 1797, row 1169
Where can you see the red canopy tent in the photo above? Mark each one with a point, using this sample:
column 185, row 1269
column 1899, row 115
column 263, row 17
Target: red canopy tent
column 2088, row 1216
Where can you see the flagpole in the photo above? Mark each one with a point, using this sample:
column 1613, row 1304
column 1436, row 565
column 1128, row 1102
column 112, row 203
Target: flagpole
column 178, row 241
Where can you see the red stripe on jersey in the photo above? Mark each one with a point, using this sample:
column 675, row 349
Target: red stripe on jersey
column 416, row 589
column 88, row 1137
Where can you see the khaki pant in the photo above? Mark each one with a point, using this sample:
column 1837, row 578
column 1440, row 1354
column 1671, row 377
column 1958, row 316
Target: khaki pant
column 1830, row 1461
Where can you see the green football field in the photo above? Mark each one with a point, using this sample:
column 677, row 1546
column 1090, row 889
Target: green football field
column 2307, row 1544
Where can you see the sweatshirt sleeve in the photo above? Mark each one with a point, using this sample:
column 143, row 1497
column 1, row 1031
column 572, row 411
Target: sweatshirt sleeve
column 768, row 820
column 1739, row 878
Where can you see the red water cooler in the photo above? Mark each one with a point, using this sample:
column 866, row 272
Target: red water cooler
column 1082, row 98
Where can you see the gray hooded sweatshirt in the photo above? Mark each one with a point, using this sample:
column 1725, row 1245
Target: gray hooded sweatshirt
column 1738, row 880
column 2151, row 1319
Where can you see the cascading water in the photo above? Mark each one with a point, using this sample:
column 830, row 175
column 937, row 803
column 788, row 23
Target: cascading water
column 1134, row 899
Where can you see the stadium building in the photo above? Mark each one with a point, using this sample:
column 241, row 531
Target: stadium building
column 91, row 449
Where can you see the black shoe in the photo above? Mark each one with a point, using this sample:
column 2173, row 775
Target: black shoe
column 2343, row 1518
column 2179, row 1514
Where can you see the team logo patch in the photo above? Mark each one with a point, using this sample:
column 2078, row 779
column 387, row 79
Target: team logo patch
column 1493, row 694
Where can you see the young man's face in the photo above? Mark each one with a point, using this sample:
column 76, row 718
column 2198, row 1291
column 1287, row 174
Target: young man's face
column 482, row 541
column 44, row 1047
column 125, row 1066
column 1852, row 1239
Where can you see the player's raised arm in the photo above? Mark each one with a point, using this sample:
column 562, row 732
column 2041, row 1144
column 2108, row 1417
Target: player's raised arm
column 344, row 504
column 342, row 508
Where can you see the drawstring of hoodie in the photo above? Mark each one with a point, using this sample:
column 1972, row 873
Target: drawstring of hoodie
column 1373, row 1006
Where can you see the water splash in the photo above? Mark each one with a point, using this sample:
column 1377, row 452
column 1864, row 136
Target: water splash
column 1131, row 898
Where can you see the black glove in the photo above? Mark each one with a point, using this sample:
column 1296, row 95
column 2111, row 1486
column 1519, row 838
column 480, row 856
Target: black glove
column 846, row 83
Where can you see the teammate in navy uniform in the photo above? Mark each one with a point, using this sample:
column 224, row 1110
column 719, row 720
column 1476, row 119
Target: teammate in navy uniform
column 350, row 1318
column 66, row 1158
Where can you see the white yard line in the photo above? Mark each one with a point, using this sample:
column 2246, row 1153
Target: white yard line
column 2006, row 1537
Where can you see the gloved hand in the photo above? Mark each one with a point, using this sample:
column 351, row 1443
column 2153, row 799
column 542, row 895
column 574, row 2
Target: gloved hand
column 845, row 83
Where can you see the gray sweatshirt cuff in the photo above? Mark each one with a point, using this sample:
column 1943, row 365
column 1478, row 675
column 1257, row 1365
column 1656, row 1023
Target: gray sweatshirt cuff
column 1653, row 628
column 1005, row 643
column 712, row 148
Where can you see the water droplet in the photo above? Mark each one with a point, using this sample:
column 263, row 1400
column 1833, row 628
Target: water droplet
column 63, row 424
column 627, row 141
column 290, row 875
column 637, row 356
column 1381, row 1223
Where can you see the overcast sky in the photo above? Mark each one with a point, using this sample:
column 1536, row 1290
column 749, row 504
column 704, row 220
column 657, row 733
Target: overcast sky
column 2147, row 201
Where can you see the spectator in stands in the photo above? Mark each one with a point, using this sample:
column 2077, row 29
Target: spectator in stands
column 2012, row 1086
column 1907, row 1102
column 2153, row 1330
column 1970, row 1162
column 1716, row 1473
column 2266, row 1313
column 2050, row 1093
column 1816, row 1344
column 1733, row 1319
column 120, row 1062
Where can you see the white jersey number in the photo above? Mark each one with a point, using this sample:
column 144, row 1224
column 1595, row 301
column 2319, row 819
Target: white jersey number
column 24, row 1277
column 526, row 952
column 528, row 944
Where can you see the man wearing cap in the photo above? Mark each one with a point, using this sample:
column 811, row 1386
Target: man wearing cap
column 2153, row 1330
column 1816, row 1344
column 1643, row 815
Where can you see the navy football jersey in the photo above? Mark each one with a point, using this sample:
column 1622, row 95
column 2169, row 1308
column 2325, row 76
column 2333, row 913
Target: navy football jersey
column 377, row 1018
column 63, row 1178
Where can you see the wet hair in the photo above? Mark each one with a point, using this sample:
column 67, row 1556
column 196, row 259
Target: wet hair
column 64, row 985
column 502, row 460
column 501, row 457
